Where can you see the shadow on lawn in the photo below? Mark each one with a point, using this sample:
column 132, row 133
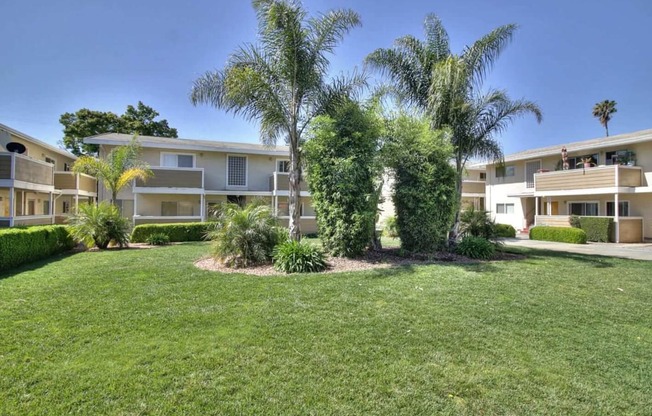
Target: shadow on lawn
column 596, row 261
column 35, row 265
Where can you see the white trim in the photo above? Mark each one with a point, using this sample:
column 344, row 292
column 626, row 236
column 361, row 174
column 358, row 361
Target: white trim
column 287, row 193
column 588, row 191
column 163, row 191
column 505, row 208
column 73, row 192
column 184, row 146
column 582, row 202
column 472, row 195
column 246, row 172
column 279, row 159
column 28, row 186
column 166, row 217
column 162, row 157
column 238, row 192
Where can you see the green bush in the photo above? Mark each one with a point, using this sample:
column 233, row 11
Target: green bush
column 391, row 227
column 597, row 228
column 99, row 225
column 23, row 245
column 560, row 234
column 477, row 223
column 505, row 230
column 245, row 236
column 189, row 231
column 158, row 239
column 299, row 257
column 476, row 248
column 574, row 221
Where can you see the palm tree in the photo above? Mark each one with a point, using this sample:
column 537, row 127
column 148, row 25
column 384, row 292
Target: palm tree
column 448, row 88
column 281, row 81
column 603, row 111
column 121, row 166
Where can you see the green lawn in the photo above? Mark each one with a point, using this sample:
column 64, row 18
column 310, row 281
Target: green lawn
column 144, row 332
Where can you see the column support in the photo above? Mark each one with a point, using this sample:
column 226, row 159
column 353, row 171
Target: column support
column 617, row 216
column 12, row 205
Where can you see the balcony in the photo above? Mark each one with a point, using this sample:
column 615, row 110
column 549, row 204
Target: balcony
column 74, row 183
column 176, row 180
column 587, row 180
column 280, row 181
column 28, row 172
column 473, row 187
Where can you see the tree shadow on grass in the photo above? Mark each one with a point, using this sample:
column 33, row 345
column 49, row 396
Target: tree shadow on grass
column 35, row 265
column 595, row 261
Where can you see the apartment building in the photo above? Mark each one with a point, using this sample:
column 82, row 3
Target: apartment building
column 36, row 185
column 193, row 176
column 606, row 177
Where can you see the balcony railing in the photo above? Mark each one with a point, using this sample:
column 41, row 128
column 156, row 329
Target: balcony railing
column 588, row 178
column 75, row 181
column 165, row 177
column 280, row 181
column 473, row 187
column 24, row 168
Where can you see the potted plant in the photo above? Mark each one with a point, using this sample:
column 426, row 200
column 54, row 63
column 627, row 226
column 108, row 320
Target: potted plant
column 586, row 162
column 627, row 157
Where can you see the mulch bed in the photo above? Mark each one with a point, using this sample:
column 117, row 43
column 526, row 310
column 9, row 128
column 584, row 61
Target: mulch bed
column 380, row 259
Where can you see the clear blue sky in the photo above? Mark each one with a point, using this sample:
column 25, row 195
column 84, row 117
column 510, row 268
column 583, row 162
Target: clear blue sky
column 60, row 56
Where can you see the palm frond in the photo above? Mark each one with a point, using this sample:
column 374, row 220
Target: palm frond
column 481, row 56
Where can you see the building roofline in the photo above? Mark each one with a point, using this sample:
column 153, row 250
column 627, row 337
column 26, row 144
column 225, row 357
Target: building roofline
column 37, row 141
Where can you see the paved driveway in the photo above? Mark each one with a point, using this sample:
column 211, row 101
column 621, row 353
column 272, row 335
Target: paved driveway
column 627, row 251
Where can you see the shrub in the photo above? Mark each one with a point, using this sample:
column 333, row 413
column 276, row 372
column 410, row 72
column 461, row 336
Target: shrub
column 245, row 236
column 23, row 245
column 424, row 193
column 342, row 169
column 574, row 221
column 477, row 223
column 597, row 228
column 391, row 227
column 299, row 257
column 99, row 225
column 158, row 239
column 505, row 230
column 560, row 234
column 476, row 248
column 189, row 231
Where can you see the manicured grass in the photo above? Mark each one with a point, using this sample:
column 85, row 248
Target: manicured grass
column 144, row 332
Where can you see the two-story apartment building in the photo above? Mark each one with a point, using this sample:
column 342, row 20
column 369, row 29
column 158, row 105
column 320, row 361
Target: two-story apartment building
column 539, row 187
column 36, row 185
column 192, row 176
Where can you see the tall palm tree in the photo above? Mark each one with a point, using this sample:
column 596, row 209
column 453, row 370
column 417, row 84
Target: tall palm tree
column 121, row 166
column 281, row 81
column 603, row 111
column 448, row 88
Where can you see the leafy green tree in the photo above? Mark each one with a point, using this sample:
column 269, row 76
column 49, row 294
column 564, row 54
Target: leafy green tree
column 342, row 166
column 99, row 225
column 448, row 88
column 121, row 166
column 281, row 81
column 85, row 123
column 424, row 183
column 603, row 112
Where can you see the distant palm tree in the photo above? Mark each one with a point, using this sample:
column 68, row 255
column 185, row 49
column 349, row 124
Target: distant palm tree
column 448, row 88
column 603, row 111
column 282, row 81
column 121, row 166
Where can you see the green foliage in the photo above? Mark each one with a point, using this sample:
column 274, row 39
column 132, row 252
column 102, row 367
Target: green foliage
column 99, row 225
column 391, row 227
column 342, row 157
column 24, row 245
column 477, row 223
column 187, row 231
column 574, row 221
column 603, row 112
column 559, row 234
column 299, row 257
column 476, row 248
column 424, row 183
column 282, row 79
column 85, row 123
column 505, row 231
column 158, row 239
column 245, row 236
column 597, row 228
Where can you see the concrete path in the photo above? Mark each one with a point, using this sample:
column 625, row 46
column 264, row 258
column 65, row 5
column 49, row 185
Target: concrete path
column 627, row 251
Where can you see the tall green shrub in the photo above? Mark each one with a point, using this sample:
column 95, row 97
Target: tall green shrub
column 99, row 225
column 341, row 158
column 424, row 183
column 23, row 245
column 597, row 228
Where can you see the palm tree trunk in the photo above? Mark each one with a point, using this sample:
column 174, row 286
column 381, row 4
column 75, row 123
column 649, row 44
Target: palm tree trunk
column 606, row 127
column 114, row 197
column 295, row 189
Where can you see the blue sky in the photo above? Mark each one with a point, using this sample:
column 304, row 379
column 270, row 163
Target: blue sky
column 60, row 56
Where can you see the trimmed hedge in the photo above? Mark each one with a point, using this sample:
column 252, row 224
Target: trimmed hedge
column 505, row 230
column 24, row 245
column 597, row 228
column 560, row 234
column 189, row 231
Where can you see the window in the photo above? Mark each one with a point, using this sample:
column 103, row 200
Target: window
column 46, row 207
column 169, row 208
column 283, row 166
column 240, row 200
column 177, row 208
column 623, row 209
column 587, row 209
column 505, row 171
column 576, row 162
column 483, row 176
column 65, row 207
column 504, row 208
column 175, row 160
column 66, row 167
column 50, row 160
column 236, row 171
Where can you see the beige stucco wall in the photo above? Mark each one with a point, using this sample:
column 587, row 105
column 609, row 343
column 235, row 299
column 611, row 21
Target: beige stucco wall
column 34, row 150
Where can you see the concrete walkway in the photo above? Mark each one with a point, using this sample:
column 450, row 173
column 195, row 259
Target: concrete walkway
column 627, row 251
